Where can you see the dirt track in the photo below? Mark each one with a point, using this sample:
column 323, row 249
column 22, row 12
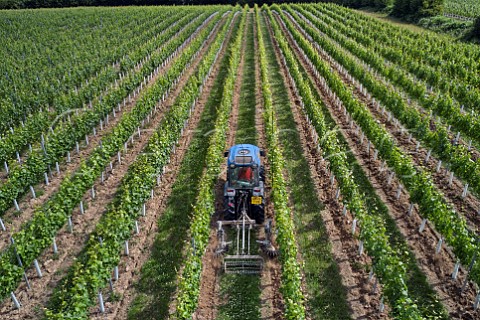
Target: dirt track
column 437, row 267
column 271, row 300
column 362, row 298
column 54, row 267
column 13, row 220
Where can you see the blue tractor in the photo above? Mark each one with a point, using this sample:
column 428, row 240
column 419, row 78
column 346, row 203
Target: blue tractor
column 244, row 188
column 244, row 213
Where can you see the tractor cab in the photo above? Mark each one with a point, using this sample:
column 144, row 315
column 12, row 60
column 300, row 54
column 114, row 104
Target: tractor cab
column 245, row 183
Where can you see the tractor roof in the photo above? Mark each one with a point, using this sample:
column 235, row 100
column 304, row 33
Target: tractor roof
column 244, row 154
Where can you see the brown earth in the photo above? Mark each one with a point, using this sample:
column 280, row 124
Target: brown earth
column 363, row 299
column 437, row 267
column 55, row 267
column 13, row 220
column 139, row 250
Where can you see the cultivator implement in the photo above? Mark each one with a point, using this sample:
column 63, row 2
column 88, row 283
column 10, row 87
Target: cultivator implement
column 243, row 261
column 243, row 264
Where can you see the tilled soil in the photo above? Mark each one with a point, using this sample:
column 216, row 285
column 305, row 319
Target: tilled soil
column 271, row 297
column 139, row 250
column 363, row 298
column 437, row 267
column 68, row 243
column 209, row 297
column 469, row 206
column 13, row 220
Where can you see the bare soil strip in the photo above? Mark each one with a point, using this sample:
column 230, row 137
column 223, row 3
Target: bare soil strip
column 209, row 297
column 130, row 265
column 469, row 206
column 272, row 300
column 13, row 220
column 437, row 267
column 68, row 243
column 362, row 297
column 413, row 102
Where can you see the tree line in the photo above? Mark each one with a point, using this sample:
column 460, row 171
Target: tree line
column 400, row 8
column 26, row 4
column 411, row 10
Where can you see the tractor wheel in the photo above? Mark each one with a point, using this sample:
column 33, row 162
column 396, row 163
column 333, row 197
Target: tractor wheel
column 259, row 213
column 229, row 212
column 262, row 173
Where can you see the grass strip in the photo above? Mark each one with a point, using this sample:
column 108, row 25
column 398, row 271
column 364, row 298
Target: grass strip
column 241, row 292
column 326, row 295
column 291, row 270
column 158, row 278
column 246, row 132
column 189, row 281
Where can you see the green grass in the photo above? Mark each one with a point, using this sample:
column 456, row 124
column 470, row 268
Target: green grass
column 240, row 294
column 451, row 26
column 392, row 20
column 159, row 274
column 448, row 28
column 326, row 294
